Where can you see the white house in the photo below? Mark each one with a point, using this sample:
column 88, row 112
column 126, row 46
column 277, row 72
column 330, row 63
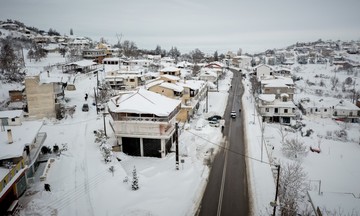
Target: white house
column 144, row 122
column 280, row 110
column 330, row 108
column 241, row 62
column 263, row 70
column 11, row 117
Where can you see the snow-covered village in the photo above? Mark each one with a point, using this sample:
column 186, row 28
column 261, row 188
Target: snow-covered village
column 88, row 127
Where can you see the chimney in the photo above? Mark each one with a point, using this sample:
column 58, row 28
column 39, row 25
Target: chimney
column 10, row 138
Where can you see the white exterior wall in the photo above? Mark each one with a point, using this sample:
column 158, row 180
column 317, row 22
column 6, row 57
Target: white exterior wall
column 320, row 112
column 263, row 71
column 144, row 129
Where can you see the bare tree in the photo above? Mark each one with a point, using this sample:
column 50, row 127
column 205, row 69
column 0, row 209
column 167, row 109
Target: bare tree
column 292, row 188
column 334, row 81
column 197, row 55
column 129, row 48
column 283, row 133
column 294, row 148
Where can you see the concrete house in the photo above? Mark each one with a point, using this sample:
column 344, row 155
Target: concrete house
column 144, row 122
column 42, row 96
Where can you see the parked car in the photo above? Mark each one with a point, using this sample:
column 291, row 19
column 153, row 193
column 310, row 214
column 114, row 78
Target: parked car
column 85, row 108
column 214, row 118
column 214, row 123
column 233, row 114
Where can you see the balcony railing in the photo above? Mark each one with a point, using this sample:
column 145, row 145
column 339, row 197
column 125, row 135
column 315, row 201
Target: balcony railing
column 12, row 172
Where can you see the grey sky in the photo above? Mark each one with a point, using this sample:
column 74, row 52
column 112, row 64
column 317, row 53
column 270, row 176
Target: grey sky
column 188, row 24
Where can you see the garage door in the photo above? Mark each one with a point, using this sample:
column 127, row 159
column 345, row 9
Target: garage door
column 131, row 146
column 152, row 147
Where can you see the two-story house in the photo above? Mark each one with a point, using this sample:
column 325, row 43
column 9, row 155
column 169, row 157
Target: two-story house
column 125, row 79
column 144, row 122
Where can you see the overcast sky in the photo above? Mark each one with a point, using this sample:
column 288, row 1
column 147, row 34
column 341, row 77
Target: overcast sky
column 188, row 24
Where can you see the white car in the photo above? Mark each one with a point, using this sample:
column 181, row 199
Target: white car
column 233, row 114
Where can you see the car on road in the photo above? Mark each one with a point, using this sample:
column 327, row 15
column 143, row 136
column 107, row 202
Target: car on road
column 85, row 107
column 233, row 114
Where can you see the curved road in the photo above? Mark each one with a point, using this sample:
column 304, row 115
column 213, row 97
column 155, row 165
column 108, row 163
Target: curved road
column 226, row 192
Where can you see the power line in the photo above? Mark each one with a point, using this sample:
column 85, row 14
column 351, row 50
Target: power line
column 228, row 149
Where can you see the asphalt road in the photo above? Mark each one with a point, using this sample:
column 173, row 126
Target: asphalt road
column 226, row 192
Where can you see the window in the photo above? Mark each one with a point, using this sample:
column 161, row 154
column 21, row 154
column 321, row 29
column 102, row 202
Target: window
column 285, row 110
column 13, row 119
column 325, row 110
column 284, row 99
column 267, row 110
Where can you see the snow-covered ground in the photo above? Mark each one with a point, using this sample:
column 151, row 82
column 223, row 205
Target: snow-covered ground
column 82, row 184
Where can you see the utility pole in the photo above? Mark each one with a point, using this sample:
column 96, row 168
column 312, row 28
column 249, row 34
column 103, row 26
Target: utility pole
column 277, row 188
column 207, row 98
column 104, row 122
column 97, row 112
column 262, row 139
column 177, row 145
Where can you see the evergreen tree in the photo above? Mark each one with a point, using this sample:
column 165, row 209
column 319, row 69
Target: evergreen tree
column 30, row 54
column 216, row 56
column 135, row 181
column 9, row 63
column 71, row 32
column 157, row 50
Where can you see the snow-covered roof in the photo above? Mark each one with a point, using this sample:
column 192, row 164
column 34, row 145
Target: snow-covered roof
column 279, row 81
column 11, row 113
column 267, row 97
column 193, row 84
column 170, row 77
column 184, row 64
column 22, row 135
column 263, row 65
column 172, row 86
column 208, row 72
column 170, row 69
column 153, row 83
column 83, row 63
column 143, row 101
column 284, row 95
column 331, row 201
column 328, row 103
